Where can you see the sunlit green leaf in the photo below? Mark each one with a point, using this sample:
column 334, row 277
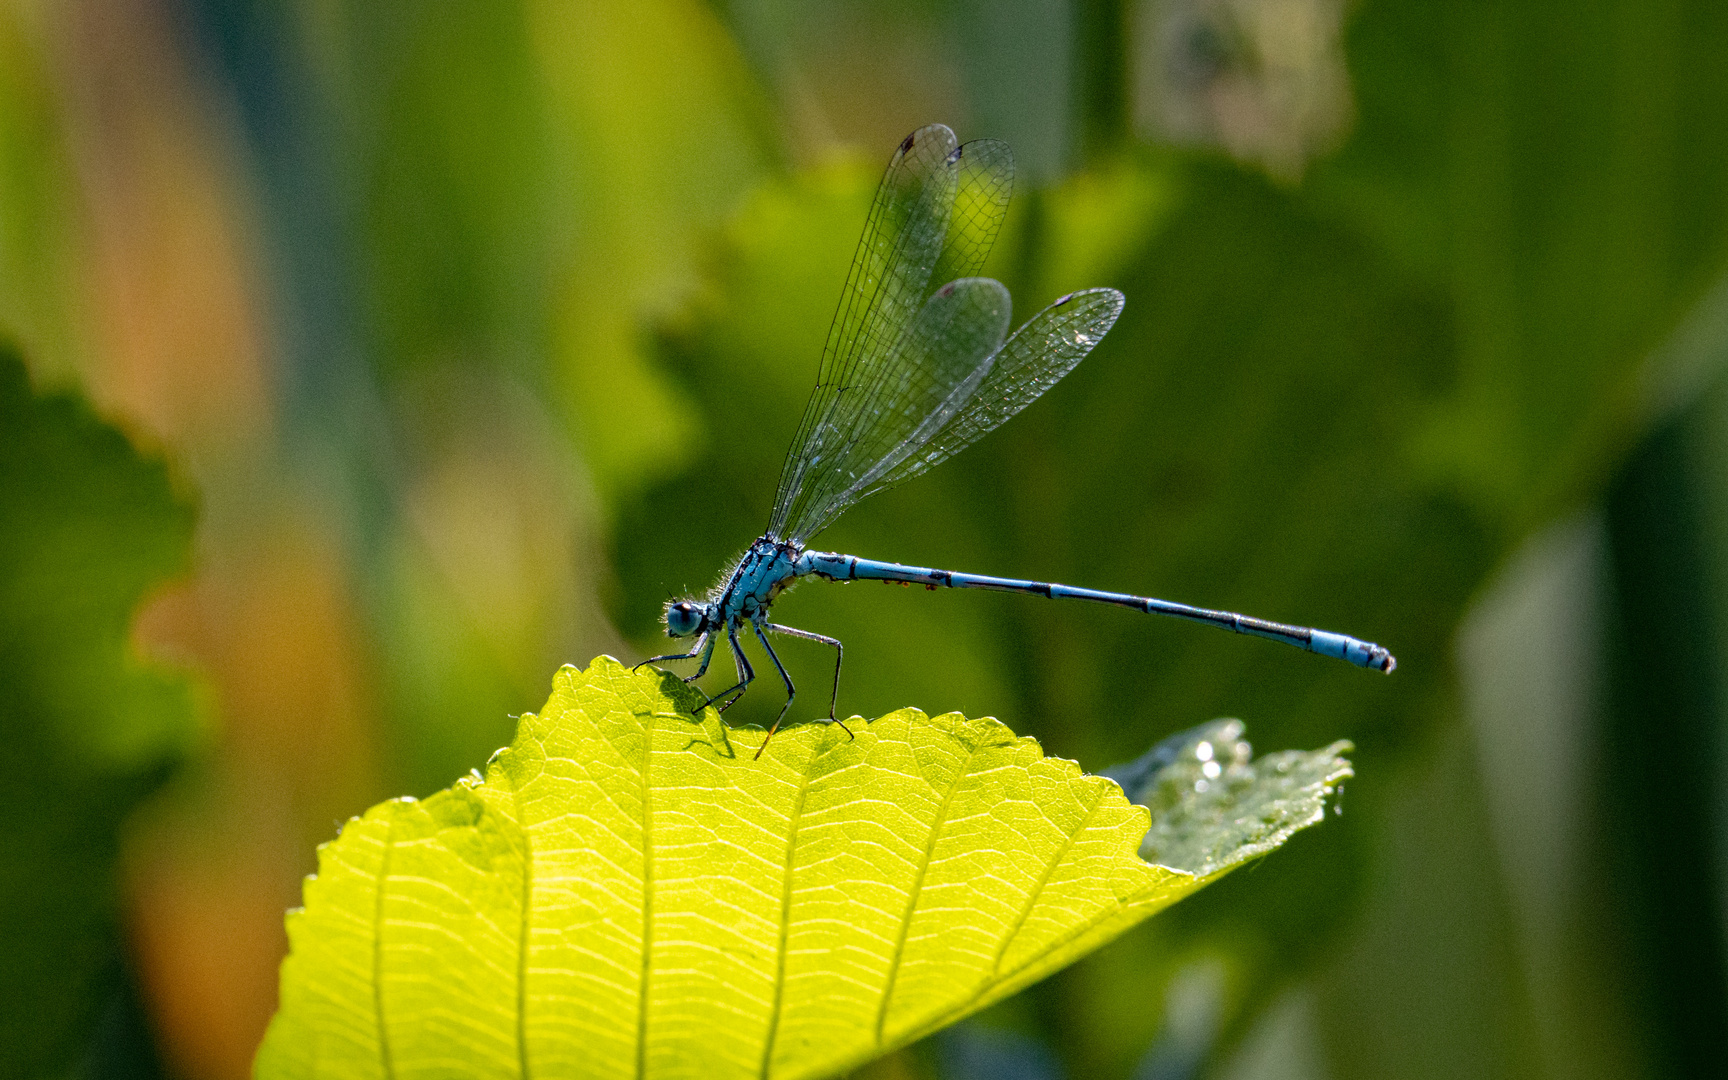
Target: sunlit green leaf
column 629, row 891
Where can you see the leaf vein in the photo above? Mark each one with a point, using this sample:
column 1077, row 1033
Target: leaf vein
column 525, row 930
column 642, row 984
column 913, row 894
column 1043, row 883
column 378, row 946
column 793, row 822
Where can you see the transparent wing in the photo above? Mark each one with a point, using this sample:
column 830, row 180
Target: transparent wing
column 914, row 391
column 886, row 285
column 984, row 181
column 1043, row 350
column 934, row 219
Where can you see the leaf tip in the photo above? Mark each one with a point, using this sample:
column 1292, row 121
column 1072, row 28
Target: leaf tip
column 1215, row 806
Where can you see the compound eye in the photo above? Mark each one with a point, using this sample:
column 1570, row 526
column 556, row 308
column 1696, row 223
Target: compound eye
column 682, row 618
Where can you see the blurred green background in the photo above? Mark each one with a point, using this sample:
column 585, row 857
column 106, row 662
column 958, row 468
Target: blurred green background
column 367, row 360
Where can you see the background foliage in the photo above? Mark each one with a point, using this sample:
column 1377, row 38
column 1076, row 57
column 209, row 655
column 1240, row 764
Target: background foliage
column 480, row 329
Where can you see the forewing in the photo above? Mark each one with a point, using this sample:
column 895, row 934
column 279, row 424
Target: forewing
column 1043, row 350
column 885, row 288
column 917, row 390
column 984, row 181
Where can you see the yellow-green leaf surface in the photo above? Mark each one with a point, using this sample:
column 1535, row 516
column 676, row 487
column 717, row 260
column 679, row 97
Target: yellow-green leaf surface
column 630, row 893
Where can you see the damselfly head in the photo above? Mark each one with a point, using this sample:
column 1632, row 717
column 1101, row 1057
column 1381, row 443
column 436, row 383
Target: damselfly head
column 683, row 617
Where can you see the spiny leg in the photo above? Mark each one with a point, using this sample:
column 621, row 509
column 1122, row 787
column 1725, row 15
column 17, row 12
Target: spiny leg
column 839, row 656
column 746, row 674
column 702, row 648
column 707, row 655
column 791, row 691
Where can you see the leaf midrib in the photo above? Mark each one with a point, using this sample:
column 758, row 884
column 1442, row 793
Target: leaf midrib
column 644, row 984
column 379, row 896
column 524, row 934
column 917, row 890
column 774, row 1011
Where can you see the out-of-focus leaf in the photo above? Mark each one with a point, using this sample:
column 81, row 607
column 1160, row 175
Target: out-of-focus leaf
column 661, row 132
column 87, row 525
column 1096, row 223
column 39, row 245
column 456, row 188
column 1554, row 175
column 629, row 892
column 1557, row 170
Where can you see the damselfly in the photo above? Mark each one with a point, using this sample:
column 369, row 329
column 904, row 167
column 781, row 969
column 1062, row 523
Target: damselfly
column 919, row 365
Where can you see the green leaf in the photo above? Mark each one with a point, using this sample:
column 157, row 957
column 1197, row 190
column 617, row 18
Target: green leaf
column 629, row 892
column 87, row 727
column 1214, row 807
